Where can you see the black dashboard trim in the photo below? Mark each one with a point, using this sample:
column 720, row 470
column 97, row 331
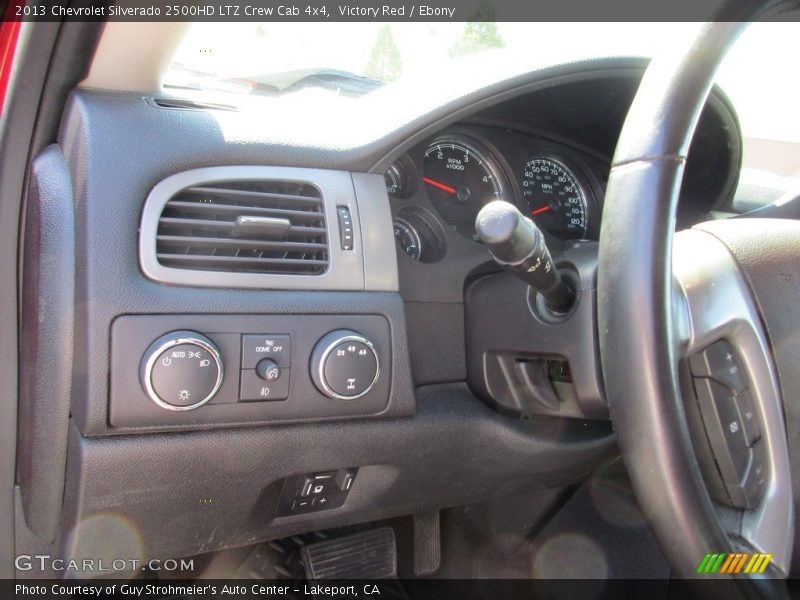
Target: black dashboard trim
column 219, row 488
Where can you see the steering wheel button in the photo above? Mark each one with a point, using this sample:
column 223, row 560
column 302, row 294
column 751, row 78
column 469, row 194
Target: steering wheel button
column 719, row 361
column 749, row 493
column 744, row 401
column 724, row 428
column 757, row 476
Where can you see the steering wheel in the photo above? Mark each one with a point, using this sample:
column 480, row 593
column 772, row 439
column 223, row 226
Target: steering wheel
column 664, row 297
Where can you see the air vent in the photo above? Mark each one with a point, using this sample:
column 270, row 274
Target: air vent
column 186, row 104
column 245, row 226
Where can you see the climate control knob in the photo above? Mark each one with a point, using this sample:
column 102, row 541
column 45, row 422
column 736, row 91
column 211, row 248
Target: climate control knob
column 344, row 365
column 181, row 370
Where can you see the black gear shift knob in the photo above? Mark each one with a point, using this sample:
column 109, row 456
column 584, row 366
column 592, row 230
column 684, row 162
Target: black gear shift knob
column 518, row 245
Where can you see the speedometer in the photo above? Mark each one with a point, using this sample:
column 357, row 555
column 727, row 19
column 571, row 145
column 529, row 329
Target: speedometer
column 461, row 176
column 555, row 198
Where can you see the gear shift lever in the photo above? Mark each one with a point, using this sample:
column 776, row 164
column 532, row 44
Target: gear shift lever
column 518, row 245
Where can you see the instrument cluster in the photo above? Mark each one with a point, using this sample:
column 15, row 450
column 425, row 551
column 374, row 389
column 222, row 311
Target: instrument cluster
column 462, row 170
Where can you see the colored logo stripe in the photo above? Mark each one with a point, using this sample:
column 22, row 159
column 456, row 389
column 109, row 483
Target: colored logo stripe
column 738, row 563
column 711, row 563
column 731, row 560
column 733, row 563
column 704, row 564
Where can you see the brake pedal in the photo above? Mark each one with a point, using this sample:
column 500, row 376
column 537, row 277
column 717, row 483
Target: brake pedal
column 366, row 555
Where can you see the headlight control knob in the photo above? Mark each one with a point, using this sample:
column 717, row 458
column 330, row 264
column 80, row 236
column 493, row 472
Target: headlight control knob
column 181, row 370
column 344, row 365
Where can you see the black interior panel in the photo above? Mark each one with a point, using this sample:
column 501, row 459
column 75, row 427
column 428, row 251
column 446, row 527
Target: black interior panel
column 48, row 291
column 436, row 359
column 192, row 492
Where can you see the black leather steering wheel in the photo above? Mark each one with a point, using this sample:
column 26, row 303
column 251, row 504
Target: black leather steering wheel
column 663, row 296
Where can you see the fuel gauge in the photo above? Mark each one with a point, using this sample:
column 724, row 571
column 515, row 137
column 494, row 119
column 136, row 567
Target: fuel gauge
column 419, row 235
column 407, row 238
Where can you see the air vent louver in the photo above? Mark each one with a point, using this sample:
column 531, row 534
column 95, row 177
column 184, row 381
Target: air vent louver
column 186, row 104
column 253, row 227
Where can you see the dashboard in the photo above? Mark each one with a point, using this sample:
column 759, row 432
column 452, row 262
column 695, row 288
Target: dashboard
column 246, row 307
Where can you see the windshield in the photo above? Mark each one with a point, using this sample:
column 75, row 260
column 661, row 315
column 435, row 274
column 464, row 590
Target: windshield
column 276, row 58
column 345, row 62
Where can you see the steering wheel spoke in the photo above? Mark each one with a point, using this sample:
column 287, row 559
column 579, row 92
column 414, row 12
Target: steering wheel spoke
column 733, row 384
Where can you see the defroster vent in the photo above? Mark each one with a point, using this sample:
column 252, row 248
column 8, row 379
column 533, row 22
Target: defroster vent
column 253, row 227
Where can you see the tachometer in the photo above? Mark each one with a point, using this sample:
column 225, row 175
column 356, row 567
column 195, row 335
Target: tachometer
column 460, row 177
column 555, row 198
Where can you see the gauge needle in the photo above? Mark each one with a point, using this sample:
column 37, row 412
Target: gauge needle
column 541, row 210
column 439, row 185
